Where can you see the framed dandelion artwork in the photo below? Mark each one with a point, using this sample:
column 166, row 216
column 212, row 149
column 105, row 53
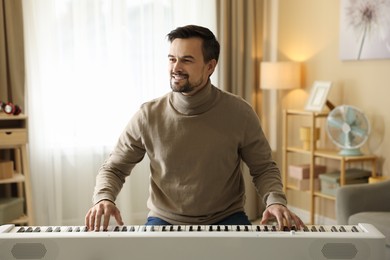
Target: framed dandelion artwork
column 365, row 29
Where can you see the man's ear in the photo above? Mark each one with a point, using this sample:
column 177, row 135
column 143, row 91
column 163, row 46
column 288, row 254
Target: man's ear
column 211, row 66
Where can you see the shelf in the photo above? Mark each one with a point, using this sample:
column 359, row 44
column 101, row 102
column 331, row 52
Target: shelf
column 306, row 113
column 314, row 153
column 4, row 116
column 298, row 150
column 323, row 195
column 330, row 154
column 18, row 177
column 326, row 153
column 14, row 136
column 292, row 187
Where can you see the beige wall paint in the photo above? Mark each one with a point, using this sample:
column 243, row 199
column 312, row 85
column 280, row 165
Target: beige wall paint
column 308, row 31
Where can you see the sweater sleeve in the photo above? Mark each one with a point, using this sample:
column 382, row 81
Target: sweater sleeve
column 256, row 153
column 128, row 151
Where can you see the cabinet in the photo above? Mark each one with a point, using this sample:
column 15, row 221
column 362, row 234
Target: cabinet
column 312, row 153
column 13, row 143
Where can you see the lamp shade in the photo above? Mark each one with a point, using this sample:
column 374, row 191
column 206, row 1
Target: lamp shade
column 280, row 75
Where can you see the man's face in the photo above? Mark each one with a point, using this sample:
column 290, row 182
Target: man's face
column 188, row 71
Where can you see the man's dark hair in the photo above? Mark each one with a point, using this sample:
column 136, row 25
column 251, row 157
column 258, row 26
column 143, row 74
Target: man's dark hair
column 210, row 47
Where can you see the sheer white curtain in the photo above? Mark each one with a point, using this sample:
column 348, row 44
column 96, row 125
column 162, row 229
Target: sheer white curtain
column 89, row 65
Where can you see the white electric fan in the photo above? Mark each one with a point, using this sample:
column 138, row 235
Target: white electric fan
column 348, row 128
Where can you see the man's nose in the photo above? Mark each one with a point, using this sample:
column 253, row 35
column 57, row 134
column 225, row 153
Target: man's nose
column 176, row 67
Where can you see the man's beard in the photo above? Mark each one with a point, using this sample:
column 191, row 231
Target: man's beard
column 187, row 87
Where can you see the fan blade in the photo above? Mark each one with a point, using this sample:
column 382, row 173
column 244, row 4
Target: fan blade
column 335, row 122
column 341, row 140
column 349, row 139
column 358, row 131
column 349, row 115
column 345, row 140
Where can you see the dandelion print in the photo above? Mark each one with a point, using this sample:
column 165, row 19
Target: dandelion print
column 369, row 21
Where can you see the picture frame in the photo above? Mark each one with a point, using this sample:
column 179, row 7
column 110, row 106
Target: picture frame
column 318, row 96
column 364, row 30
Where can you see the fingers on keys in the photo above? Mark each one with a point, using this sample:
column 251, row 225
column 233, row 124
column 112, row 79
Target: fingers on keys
column 99, row 216
column 284, row 217
column 98, row 220
column 94, row 216
column 118, row 217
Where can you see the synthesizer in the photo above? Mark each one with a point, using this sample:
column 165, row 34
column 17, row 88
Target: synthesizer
column 192, row 242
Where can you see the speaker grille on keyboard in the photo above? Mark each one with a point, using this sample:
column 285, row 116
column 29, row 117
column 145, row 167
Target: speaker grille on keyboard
column 28, row 251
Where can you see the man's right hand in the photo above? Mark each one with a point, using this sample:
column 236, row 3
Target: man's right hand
column 103, row 209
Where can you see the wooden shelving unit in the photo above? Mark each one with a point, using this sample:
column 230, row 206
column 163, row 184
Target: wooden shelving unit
column 13, row 137
column 314, row 152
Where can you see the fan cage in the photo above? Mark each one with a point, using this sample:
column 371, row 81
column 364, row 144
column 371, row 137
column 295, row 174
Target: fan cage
column 349, row 136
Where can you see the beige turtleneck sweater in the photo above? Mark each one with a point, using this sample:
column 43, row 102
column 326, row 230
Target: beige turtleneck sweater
column 195, row 145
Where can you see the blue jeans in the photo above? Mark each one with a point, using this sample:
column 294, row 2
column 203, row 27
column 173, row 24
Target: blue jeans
column 239, row 218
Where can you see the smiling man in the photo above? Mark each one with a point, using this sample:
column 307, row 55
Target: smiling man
column 187, row 66
column 196, row 138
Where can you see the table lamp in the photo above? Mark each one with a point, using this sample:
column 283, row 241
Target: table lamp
column 279, row 75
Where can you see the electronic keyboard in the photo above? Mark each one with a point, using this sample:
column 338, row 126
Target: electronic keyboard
column 192, row 242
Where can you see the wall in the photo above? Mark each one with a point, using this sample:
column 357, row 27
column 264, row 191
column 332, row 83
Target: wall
column 308, row 31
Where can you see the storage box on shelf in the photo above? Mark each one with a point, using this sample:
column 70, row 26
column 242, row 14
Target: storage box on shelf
column 303, row 185
column 312, row 152
column 16, row 185
column 331, row 181
column 299, row 176
column 10, row 209
column 302, row 171
column 6, row 169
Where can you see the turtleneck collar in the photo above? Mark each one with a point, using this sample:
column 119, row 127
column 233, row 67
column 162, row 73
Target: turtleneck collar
column 199, row 103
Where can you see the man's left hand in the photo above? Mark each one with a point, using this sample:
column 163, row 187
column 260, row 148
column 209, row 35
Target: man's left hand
column 283, row 216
